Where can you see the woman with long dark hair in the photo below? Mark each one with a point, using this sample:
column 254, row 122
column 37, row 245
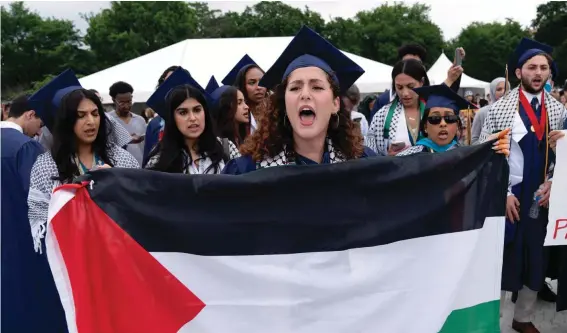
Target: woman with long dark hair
column 189, row 144
column 246, row 76
column 307, row 123
column 232, row 115
column 80, row 144
column 396, row 126
column 154, row 131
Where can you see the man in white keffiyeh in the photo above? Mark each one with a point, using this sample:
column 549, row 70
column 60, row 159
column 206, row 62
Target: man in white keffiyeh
column 535, row 118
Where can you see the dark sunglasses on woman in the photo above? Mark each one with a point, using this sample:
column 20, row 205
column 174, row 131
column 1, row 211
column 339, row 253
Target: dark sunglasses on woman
column 436, row 120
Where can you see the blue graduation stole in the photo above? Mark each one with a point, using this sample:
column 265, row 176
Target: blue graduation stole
column 83, row 169
column 427, row 142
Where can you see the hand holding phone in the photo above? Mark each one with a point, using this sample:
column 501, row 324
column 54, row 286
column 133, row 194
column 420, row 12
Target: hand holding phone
column 458, row 57
column 398, row 145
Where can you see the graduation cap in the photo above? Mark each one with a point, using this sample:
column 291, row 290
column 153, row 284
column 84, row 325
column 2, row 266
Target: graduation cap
column 212, row 85
column 444, row 97
column 47, row 100
column 309, row 49
column 179, row 77
column 230, row 78
column 217, row 93
column 527, row 49
column 215, row 98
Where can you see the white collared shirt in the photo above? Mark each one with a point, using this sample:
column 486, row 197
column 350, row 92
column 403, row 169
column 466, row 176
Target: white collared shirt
column 531, row 96
column 12, row 125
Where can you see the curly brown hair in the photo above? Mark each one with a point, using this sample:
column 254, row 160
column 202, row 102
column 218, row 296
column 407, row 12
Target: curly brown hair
column 273, row 135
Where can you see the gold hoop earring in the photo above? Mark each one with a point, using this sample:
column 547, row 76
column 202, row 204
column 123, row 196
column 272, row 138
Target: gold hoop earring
column 338, row 120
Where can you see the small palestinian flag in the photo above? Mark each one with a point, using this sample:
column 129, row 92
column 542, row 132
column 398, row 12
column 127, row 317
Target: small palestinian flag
column 384, row 244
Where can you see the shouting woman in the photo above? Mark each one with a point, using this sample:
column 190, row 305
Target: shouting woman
column 307, row 122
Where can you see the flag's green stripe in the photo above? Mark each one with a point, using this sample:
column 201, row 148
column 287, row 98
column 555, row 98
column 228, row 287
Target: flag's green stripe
column 481, row 318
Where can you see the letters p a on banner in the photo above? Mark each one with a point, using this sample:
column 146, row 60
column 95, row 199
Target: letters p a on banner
column 557, row 225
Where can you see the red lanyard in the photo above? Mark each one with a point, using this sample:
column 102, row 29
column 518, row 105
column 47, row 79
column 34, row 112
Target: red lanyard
column 539, row 127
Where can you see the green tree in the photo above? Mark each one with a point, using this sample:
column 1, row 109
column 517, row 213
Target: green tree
column 550, row 26
column 266, row 19
column 488, row 47
column 378, row 33
column 207, row 20
column 33, row 47
column 345, row 34
column 129, row 29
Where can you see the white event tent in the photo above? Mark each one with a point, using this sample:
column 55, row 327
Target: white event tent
column 206, row 57
column 438, row 73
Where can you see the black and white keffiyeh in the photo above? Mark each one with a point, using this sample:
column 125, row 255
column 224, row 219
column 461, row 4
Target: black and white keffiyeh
column 283, row 158
column 42, row 185
column 204, row 162
column 412, row 150
column 504, row 114
column 375, row 139
column 117, row 134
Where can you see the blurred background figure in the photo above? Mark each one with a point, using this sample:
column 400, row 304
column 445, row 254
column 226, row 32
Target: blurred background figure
column 497, row 90
column 351, row 99
column 149, row 114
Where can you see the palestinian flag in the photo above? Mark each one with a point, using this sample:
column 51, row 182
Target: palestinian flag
column 406, row 244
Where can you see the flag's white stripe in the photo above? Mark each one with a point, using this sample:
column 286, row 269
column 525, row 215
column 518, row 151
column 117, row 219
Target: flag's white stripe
column 58, row 200
column 484, row 272
column 407, row 286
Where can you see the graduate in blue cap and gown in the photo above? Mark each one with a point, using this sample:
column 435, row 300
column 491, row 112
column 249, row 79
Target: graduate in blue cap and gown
column 154, row 130
column 246, row 76
column 30, row 302
column 244, row 63
column 535, row 118
column 231, row 114
column 308, row 124
column 80, row 144
column 441, row 124
column 189, row 144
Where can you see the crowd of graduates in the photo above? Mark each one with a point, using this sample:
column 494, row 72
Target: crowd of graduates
column 301, row 111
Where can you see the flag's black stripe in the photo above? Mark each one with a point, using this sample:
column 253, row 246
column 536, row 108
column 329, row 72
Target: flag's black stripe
column 307, row 208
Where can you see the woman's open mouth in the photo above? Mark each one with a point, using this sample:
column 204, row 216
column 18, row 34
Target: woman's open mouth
column 90, row 132
column 443, row 135
column 306, row 117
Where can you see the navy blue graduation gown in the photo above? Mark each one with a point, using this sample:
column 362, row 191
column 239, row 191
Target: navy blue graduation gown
column 152, row 137
column 525, row 258
column 245, row 164
column 30, row 302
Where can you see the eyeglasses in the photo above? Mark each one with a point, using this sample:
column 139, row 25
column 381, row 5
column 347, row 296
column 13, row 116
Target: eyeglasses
column 436, row 120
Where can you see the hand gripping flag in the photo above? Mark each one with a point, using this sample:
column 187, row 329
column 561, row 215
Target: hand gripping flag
column 406, row 244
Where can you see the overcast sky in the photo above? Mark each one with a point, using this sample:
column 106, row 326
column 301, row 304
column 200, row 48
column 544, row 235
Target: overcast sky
column 451, row 16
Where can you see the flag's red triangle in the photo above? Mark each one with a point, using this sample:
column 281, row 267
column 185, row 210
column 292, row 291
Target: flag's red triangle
column 117, row 285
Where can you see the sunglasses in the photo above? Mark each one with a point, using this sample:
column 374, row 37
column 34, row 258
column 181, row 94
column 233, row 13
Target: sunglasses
column 436, row 120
